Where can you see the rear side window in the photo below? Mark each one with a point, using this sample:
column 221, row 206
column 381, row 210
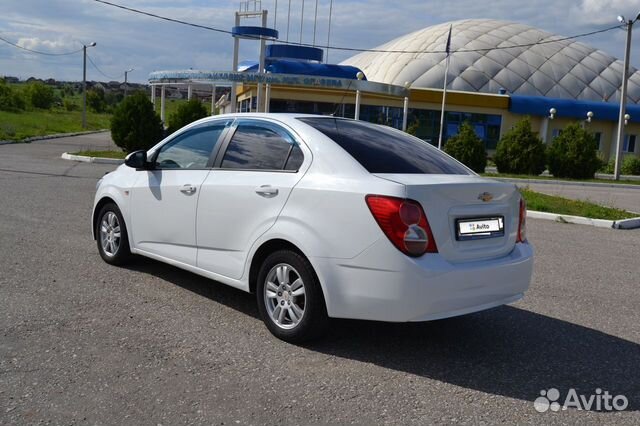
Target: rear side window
column 383, row 150
column 255, row 146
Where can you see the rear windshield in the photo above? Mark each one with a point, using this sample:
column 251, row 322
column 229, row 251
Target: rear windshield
column 384, row 150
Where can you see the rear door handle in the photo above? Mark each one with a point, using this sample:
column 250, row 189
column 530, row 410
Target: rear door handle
column 267, row 191
column 188, row 189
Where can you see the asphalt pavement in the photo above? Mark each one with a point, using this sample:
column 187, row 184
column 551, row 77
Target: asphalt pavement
column 82, row 342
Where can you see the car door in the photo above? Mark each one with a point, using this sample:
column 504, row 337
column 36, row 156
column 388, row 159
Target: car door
column 246, row 190
column 164, row 199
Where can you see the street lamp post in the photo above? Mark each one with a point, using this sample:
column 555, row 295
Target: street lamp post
column 84, row 83
column 405, row 107
column 623, row 94
column 125, row 80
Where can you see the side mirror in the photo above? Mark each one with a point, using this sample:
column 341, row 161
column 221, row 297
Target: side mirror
column 137, row 160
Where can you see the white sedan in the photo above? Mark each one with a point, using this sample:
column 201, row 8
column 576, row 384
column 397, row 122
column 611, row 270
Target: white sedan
column 320, row 217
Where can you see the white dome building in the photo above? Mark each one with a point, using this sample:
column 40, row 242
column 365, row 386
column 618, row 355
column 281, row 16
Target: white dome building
column 564, row 69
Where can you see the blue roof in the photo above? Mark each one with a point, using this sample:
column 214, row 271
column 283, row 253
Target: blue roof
column 571, row 108
column 309, row 68
column 286, row 51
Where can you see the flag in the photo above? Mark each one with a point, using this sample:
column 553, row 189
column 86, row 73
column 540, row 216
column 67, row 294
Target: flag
column 448, row 48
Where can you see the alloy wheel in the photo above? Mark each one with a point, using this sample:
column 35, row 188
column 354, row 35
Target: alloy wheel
column 284, row 296
column 110, row 235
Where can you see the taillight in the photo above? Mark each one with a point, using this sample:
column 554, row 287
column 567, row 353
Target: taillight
column 522, row 223
column 404, row 223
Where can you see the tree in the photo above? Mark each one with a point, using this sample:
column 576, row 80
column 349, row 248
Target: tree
column 95, row 100
column 135, row 125
column 10, row 99
column 467, row 148
column 186, row 113
column 40, row 95
column 573, row 154
column 520, row 151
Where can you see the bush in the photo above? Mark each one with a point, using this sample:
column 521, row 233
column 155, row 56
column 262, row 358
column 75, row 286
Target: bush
column 467, row 148
column 520, row 151
column 605, row 167
column 69, row 105
column 95, row 100
column 573, row 154
column 186, row 113
column 630, row 166
column 135, row 125
column 10, row 99
column 40, row 95
column 67, row 90
column 112, row 99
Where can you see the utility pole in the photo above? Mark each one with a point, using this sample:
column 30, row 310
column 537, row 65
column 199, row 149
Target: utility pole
column 84, row 83
column 623, row 96
column 125, row 81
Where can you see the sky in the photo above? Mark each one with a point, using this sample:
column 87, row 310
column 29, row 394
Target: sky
column 126, row 40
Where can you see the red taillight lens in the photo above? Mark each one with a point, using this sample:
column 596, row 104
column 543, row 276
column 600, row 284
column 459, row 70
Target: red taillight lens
column 404, row 223
column 522, row 223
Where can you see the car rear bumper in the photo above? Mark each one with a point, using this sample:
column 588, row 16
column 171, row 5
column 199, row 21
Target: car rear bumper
column 382, row 284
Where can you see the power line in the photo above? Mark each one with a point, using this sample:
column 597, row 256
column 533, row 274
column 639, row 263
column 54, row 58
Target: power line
column 38, row 52
column 100, row 71
column 354, row 49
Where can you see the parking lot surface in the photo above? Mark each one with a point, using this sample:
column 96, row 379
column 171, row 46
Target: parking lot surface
column 84, row 342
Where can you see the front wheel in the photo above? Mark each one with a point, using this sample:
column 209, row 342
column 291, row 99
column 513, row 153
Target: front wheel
column 111, row 233
column 290, row 298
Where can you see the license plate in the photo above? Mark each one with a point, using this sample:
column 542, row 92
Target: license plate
column 486, row 227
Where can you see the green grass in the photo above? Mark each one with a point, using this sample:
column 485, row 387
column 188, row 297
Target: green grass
column 18, row 126
column 533, row 177
column 101, row 154
column 558, row 205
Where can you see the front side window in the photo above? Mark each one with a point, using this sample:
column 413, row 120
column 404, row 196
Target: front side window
column 191, row 149
column 257, row 146
column 380, row 149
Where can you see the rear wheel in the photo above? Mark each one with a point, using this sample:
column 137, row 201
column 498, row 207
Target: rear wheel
column 290, row 298
column 111, row 235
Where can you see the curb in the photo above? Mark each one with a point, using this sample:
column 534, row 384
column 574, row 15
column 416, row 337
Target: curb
column 85, row 159
column 54, row 136
column 579, row 220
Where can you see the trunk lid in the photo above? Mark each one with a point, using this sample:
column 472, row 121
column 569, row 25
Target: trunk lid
column 447, row 198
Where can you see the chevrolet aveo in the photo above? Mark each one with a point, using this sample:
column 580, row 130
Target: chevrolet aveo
column 320, row 217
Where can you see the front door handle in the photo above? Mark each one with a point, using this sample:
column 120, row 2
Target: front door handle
column 267, row 191
column 188, row 189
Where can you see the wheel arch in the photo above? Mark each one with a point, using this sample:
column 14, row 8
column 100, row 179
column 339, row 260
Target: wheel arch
column 96, row 211
column 271, row 246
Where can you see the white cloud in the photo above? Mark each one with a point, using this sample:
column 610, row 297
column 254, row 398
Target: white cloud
column 128, row 40
column 605, row 11
column 53, row 46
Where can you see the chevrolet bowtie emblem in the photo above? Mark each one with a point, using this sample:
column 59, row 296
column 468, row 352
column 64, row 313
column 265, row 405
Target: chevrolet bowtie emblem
column 485, row 196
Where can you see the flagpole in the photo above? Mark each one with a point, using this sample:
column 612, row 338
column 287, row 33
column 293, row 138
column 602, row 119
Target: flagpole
column 444, row 89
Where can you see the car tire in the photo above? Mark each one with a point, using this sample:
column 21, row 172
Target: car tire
column 290, row 299
column 111, row 235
